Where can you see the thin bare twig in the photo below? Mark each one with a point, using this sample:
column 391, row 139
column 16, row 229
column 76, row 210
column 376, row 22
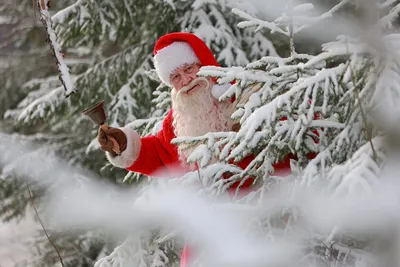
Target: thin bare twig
column 41, row 223
column 34, row 9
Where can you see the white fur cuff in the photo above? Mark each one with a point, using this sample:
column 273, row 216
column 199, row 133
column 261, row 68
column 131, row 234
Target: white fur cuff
column 131, row 153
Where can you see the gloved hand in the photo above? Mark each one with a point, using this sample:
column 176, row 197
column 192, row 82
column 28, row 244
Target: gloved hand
column 112, row 140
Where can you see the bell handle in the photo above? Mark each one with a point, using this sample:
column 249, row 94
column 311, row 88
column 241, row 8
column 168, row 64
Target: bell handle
column 116, row 147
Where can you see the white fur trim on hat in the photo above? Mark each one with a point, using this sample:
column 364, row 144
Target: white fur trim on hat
column 173, row 57
column 131, row 153
column 219, row 89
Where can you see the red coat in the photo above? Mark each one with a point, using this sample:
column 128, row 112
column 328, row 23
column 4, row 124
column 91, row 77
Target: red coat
column 157, row 153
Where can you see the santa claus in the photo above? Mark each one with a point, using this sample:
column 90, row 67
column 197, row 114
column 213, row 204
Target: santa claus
column 195, row 111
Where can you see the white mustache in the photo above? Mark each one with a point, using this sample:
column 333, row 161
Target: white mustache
column 193, row 83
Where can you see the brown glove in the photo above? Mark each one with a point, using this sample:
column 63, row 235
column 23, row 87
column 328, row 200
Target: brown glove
column 236, row 127
column 110, row 138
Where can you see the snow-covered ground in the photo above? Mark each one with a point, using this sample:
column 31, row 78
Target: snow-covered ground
column 14, row 237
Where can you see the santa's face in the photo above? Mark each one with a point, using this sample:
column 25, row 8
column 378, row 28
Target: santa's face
column 189, row 91
column 182, row 77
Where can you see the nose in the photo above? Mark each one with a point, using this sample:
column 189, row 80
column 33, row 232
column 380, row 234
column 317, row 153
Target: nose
column 186, row 79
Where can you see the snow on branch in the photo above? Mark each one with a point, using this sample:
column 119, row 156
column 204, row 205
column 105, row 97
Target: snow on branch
column 251, row 22
column 267, row 113
column 342, row 47
column 63, row 14
column 386, row 80
column 386, row 4
column 360, row 172
column 65, row 77
column 290, row 88
column 278, row 61
column 387, row 20
column 38, row 107
column 35, row 106
column 292, row 21
column 210, row 176
column 328, row 14
column 261, row 128
column 125, row 254
column 244, row 75
column 354, row 134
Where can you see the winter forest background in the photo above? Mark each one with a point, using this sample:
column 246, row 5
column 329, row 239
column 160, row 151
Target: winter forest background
column 331, row 68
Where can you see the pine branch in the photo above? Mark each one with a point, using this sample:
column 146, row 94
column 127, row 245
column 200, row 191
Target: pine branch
column 364, row 117
column 251, row 21
column 323, row 16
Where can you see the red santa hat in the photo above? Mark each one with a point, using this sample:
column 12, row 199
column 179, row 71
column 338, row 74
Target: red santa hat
column 176, row 49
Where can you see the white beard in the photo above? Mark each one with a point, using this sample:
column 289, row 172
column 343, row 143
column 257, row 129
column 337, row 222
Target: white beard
column 198, row 113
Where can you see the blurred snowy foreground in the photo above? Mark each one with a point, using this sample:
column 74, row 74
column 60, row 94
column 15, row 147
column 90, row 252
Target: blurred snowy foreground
column 221, row 229
column 15, row 237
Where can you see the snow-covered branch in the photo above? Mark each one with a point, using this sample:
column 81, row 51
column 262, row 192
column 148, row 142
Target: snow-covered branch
column 65, row 77
column 251, row 22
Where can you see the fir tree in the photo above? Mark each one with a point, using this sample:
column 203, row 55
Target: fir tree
column 335, row 104
column 108, row 49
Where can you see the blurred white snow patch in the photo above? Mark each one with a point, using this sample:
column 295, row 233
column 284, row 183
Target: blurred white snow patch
column 217, row 233
column 218, row 227
column 5, row 20
column 358, row 213
column 310, row 20
column 16, row 240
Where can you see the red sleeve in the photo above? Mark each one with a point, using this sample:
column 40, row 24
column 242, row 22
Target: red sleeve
column 156, row 151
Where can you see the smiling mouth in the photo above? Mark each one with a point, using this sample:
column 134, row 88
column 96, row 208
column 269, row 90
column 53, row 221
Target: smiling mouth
column 191, row 89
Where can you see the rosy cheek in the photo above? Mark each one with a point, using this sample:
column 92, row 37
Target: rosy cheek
column 177, row 86
column 175, row 82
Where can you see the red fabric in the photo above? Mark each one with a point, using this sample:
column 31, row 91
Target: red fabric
column 185, row 257
column 201, row 50
column 157, row 153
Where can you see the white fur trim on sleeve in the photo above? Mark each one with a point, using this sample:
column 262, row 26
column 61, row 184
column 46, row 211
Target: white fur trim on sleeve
column 172, row 57
column 131, row 153
column 218, row 90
